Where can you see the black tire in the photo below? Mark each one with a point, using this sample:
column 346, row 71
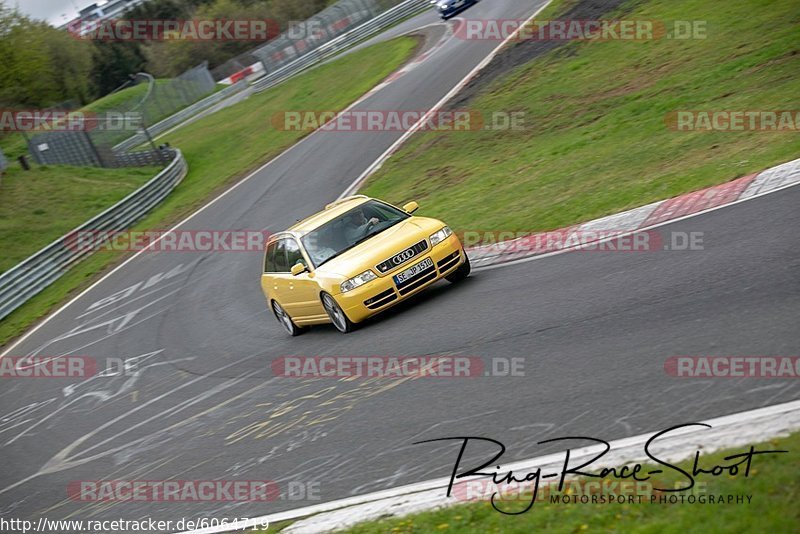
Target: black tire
column 286, row 321
column 336, row 314
column 460, row 273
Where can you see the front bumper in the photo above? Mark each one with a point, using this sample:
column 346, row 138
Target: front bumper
column 382, row 293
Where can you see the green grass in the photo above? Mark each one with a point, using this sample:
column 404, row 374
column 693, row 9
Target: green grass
column 40, row 205
column 167, row 98
column 122, row 99
column 555, row 8
column 13, row 145
column 241, row 137
column 227, row 145
column 595, row 140
column 773, row 484
column 131, row 97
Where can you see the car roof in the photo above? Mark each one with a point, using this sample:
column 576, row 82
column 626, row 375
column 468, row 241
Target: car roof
column 331, row 211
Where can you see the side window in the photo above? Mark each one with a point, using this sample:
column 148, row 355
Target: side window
column 293, row 254
column 281, row 266
column 269, row 258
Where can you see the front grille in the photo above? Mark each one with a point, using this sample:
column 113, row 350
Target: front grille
column 402, row 257
column 420, row 279
column 384, row 297
column 447, row 262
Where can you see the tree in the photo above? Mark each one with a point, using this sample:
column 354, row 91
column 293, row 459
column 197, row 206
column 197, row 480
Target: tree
column 41, row 66
column 170, row 58
column 113, row 63
column 70, row 64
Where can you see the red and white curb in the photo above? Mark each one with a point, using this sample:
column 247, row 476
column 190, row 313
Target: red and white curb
column 640, row 219
column 249, row 73
column 737, row 430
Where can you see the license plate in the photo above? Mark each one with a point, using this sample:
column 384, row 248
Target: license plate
column 412, row 271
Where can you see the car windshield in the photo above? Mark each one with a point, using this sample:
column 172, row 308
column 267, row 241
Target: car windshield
column 349, row 229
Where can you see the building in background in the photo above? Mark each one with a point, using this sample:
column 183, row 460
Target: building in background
column 97, row 12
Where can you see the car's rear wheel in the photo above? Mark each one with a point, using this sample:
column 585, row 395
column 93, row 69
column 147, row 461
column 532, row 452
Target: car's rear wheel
column 336, row 314
column 460, row 273
column 285, row 320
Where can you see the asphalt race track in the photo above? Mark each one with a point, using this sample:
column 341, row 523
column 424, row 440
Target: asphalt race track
column 594, row 330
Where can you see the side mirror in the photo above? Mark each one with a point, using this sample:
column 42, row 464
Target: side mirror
column 298, row 268
column 411, row 207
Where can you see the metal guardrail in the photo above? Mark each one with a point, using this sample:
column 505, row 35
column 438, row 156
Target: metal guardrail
column 35, row 273
column 369, row 28
column 181, row 116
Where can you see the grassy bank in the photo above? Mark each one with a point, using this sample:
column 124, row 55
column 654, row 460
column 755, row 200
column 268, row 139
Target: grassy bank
column 40, row 205
column 225, row 146
column 772, row 483
column 595, row 140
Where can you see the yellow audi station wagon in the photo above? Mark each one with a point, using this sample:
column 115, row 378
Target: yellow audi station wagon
column 357, row 257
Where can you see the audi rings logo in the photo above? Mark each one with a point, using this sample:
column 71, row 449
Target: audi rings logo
column 403, row 256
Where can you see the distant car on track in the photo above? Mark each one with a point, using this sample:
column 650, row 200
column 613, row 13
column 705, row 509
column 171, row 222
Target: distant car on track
column 448, row 8
column 357, row 257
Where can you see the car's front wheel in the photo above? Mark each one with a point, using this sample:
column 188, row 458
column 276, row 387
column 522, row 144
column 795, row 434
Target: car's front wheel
column 336, row 314
column 285, row 320
column 460, row 273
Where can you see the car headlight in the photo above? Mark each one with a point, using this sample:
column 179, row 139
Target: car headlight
column 440, row 236
column 361, row 279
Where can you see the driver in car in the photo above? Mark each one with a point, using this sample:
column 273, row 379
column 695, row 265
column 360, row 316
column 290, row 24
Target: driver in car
column 356, row 226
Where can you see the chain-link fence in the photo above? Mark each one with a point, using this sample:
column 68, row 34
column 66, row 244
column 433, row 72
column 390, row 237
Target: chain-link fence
column 304, row 37
column 126, row 112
